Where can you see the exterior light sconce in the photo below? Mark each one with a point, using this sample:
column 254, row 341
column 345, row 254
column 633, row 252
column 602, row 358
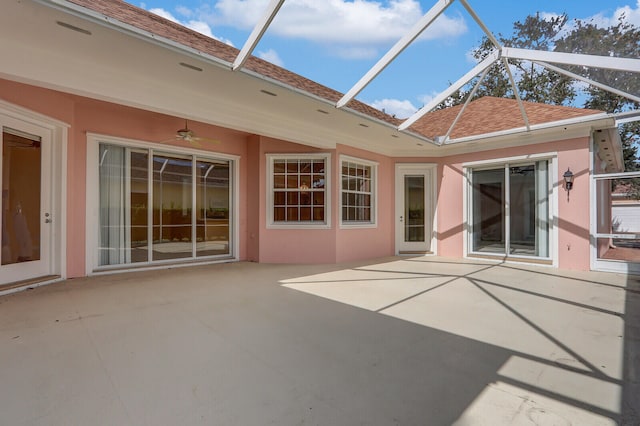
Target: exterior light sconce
column 568, row 181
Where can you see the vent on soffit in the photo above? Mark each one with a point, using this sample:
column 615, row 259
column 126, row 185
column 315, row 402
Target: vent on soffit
column 73, row 28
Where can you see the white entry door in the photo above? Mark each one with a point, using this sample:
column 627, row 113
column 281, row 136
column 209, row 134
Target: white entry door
column 415, row 208
column 25, row 164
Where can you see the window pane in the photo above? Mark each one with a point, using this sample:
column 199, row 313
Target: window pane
column 618, row 214
column 278, row 214
column 305, row 213
column 279, row 166
column 212, row 207
column 292, row 181
column 172, row 204
column 304, row 181
column 292, row 214
column 279, row 198
column 278, row 181
column 292, row 198
column 305, row 166
column 356, row 191
column 318, row 213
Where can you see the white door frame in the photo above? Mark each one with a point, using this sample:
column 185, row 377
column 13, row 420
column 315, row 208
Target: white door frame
column 428, row 170
column 53, row 190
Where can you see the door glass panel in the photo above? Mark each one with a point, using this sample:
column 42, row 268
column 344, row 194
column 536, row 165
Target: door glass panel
column 414, row 209
column 172, row 206
column 529, row 217
column 488, row 227
column 123, row 210
column 139, row 206
column 212, row 207
column 21, row 165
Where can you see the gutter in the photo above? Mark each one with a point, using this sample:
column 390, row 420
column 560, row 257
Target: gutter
column 122, row 27
column 598, row 120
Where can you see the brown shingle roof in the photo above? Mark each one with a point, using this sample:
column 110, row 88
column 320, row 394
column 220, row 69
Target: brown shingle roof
column 489, row 114
column 484, row 115
column 147, row 21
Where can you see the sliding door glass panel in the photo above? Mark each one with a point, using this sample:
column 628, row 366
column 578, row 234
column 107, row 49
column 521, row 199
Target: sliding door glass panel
column 522, row 213
column 414, row 208
column 21, row 165
column 212, row 207
column 542, row 209
column 139, row 199
column 488, row 204
column 112, row 246
column 172, row 207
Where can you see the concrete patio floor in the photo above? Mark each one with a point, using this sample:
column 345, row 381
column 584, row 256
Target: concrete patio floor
column 409, row 341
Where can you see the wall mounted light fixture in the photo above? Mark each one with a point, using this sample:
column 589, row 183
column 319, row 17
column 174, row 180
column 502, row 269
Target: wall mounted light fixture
column 568, row 181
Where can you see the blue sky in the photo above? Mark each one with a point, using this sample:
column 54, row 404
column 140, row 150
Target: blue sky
column 335, row 42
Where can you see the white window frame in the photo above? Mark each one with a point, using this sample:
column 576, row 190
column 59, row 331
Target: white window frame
column 467, row 192
column 92, row 266
column 271, row 224
column 373, row 222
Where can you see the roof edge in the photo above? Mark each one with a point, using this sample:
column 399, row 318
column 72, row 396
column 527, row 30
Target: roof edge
column 602, row 119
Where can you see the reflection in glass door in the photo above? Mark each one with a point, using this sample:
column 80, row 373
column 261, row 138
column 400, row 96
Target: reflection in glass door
column 24, row 241
column 510, row 210
column 158, row 206
column 20, row 197
column 414, row 208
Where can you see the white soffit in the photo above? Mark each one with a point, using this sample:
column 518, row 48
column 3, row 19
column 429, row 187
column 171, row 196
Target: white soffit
column 501, row 53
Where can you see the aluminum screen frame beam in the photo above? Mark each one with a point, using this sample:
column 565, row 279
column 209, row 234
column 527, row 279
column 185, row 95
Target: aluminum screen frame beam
column 589, row 81
column 257, row 33
column 592, row 61
column 481, row 67
column 398, row 48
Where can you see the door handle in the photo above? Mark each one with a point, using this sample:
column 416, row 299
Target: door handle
column 47, row 219
column 400, row 218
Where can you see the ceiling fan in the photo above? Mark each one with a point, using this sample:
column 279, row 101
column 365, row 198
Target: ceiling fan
column 186, row 134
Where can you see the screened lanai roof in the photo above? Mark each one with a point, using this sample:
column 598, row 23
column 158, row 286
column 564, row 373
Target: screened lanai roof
column 470, row 118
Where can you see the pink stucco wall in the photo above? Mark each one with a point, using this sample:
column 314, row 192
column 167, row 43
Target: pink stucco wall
column 573, row 213
column 260, row 243
column 368, row 243
column 91, row 116
column 287, row 245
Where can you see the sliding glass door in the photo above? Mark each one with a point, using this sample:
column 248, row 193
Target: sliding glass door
column 159, row 206
column 510, row 214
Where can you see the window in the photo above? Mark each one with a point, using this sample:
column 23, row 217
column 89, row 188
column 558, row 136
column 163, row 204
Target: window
column 299, row 190
column 510, row 210
column 358, row 180
column 161, row 206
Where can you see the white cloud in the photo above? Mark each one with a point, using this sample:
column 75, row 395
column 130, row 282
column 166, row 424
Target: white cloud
column 397, row 107
column 164, row 14
column 271, row 56
column 630, row 14
column 354, row 29
column 196, row 25
column 627, row 13
column 351, row 29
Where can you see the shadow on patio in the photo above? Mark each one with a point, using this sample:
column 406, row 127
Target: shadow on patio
column 413, row 341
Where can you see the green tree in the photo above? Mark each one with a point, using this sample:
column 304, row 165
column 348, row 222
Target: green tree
column 623, row 40
column 538, row 84
column 535, row 83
